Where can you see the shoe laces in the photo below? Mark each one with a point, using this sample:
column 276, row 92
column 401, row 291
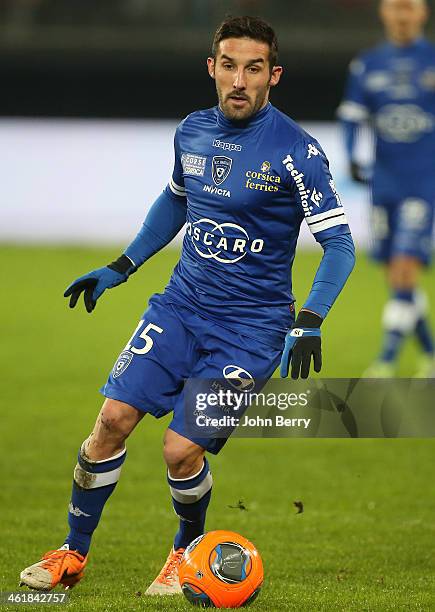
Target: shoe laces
column 169, row 571
column 54, row 556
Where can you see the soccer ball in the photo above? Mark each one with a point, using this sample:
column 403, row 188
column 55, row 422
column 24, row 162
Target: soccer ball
column 221, row 569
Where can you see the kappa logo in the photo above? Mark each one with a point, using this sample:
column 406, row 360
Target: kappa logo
column 75, row 510
column 239, row 378
column 122, row 363
column 313, row 151
column 227, row 242
column 316, row 197
column 227, row 146
column 220, row 168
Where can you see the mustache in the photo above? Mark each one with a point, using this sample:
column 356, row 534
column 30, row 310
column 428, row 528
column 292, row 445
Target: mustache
column 238, row 94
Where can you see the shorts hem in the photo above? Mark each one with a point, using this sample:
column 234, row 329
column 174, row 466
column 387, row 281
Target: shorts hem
column 211, row 445
column 110, row 393
column 386, row 258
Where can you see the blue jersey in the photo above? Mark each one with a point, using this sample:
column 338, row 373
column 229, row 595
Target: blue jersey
column 247, row 189
column 394, row 87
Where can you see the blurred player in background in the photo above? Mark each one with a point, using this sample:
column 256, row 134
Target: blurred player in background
column 393, row 87
column 244, row 179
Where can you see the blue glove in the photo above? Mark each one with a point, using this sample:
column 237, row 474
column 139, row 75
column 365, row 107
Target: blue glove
column 302, row 342
column 96, row 282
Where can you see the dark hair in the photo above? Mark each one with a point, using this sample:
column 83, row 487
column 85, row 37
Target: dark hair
column 247, row 27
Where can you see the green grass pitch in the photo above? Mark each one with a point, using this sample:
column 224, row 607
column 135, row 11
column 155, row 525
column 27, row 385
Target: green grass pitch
column 366, row 538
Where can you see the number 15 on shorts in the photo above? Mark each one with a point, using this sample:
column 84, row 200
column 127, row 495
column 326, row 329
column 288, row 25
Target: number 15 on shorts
column 146, row 335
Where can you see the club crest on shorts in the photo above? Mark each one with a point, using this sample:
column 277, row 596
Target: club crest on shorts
column 122, row 363
column 220, row 168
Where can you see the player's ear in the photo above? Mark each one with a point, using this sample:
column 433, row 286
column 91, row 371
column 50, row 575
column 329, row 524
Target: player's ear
column 210, row 66
column 425, row 12
column 275, row 76
column 382, row 11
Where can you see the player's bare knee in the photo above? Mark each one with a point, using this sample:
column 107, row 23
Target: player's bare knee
column 114, row 424
column 118, row 419
column 395, row 275
column 404, row 273
column 410, row 277
column 180, row 465
column 183, row 460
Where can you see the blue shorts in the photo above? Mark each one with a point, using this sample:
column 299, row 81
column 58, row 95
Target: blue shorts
column 172, row 344
column 402, row 228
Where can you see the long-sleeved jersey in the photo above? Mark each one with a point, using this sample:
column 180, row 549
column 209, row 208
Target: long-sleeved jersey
column 248, row 188
column 394, row 87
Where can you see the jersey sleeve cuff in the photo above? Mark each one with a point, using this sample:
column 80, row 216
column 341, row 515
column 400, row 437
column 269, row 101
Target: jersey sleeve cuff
column 326, row 220
column 176, row 189
column 352, row 111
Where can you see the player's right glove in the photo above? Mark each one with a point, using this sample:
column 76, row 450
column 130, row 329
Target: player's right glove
column 301, row 343
column 358, row 174
column 93, row 284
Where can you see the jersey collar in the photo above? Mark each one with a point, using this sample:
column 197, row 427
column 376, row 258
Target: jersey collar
column 414, row 45
column 255, row 120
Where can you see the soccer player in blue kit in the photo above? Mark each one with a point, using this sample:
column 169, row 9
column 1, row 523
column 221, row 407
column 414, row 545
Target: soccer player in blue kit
column 393, row 87
column 245, row 177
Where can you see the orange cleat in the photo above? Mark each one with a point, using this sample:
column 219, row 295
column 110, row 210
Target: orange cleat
column 62, row 566
column 167, row 582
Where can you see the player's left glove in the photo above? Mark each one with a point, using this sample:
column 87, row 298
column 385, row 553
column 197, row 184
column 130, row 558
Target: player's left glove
column 302, row 342
column 93, row 284
column 358, row 173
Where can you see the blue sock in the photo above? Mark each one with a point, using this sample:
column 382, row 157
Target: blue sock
column 190, row 498
column 422, row 328
column 94, row 481
column 399, row 321
column 424, row 335
column 391, row 346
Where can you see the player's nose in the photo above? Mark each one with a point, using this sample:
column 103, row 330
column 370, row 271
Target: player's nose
column 239, row 80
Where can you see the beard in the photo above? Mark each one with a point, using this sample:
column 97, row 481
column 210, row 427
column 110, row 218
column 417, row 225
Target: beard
column 249, row 108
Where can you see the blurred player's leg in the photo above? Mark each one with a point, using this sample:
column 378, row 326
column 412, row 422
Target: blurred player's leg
column 95, row 476
column 403, row 239
column 400, row 313
column 190, row 483
column 404, row 314
column 423, row 332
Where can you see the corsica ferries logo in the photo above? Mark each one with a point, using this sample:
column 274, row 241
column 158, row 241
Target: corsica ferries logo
column 262, row 180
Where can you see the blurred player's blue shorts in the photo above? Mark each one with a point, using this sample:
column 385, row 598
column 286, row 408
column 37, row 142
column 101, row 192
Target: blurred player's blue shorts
column 403, row 228
column 173, row 343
